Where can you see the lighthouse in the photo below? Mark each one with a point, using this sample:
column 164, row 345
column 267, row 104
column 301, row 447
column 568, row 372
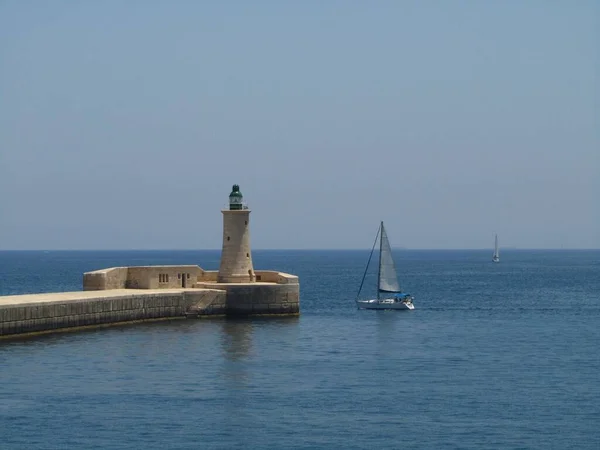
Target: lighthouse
column 236, row 257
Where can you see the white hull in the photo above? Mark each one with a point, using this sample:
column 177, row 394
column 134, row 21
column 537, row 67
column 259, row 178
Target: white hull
column 495, row 259
column 385, row 304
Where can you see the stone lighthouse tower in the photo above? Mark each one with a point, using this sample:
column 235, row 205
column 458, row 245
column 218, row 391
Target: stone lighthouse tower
column 236, row 257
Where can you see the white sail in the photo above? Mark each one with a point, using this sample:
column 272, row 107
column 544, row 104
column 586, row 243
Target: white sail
column 496, row 256
column 388, row 279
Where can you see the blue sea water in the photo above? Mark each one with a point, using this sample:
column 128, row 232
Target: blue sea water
column 495, row 356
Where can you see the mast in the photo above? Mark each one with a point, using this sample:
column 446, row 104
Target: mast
column 380, row 253
column 496, row 256
column 367, row 268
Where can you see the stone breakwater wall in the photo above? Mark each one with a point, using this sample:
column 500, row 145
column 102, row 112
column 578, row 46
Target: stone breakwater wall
column 21, row 314
column 108, row 298
column 272, row 292
column 248, row 299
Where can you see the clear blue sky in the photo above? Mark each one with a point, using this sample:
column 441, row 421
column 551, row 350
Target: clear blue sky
column 123, row 124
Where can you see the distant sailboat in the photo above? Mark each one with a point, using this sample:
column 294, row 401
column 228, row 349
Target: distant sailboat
column 387, row 280
column 496, row 256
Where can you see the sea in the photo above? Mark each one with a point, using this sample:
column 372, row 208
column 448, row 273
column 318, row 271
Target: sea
column 495, row 356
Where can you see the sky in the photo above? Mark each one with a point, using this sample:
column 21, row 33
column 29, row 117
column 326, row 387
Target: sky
column 123, row 125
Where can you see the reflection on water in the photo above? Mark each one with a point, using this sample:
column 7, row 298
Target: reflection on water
column 236, row 343
column 236, row 338
column 390, row 324
column 243, row 343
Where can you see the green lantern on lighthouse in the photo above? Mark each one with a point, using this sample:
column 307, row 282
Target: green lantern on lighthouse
column 235, row 198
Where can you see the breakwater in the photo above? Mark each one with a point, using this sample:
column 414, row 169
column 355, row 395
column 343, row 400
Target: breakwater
column 132, row 294
column 21, row 314
column 137, row 293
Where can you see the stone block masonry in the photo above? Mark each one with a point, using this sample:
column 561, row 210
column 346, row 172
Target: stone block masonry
column 272, row 292
column 21, row 314
column 106, row 300
column 251, row 299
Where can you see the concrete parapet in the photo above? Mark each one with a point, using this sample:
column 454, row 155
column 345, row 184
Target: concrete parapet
column 208, row 276
column 143, row 277
column 100, row 280
column 265, row 276
column 271, row 276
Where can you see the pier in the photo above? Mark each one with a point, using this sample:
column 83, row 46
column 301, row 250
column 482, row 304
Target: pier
column 130, row 294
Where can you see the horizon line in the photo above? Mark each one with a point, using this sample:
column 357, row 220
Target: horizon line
column 283, row 249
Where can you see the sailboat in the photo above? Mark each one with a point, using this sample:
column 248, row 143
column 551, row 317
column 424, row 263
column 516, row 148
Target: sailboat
column 496, row 256
column 389, row 294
